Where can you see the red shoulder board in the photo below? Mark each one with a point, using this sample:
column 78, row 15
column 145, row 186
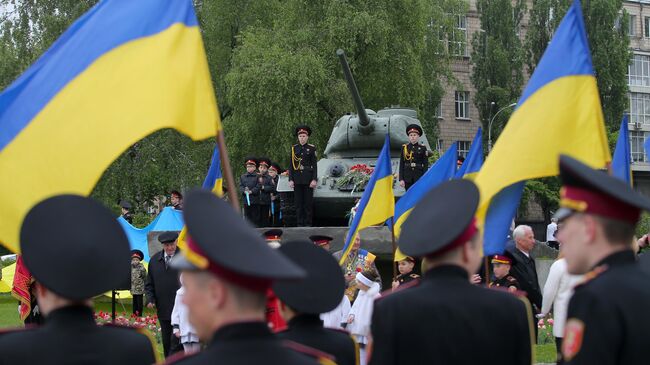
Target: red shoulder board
column 591, row 275
column 322, row 357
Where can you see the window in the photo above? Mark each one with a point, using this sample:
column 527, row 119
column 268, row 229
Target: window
column 439, row 110
column 636, row 146
column 632, row 26
column 458, row 38
column 640, row 108
column 440, row 146
column 463, row 148
column 462, row 104
column 646, row 27
column 638, row 71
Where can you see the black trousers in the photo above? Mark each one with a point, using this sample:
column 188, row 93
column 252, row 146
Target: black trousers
column 558, row 349
column 264, row 219
column 137, row 304
column 303, row 197
column 407, row 185
column 171, row 344
column 252, row 213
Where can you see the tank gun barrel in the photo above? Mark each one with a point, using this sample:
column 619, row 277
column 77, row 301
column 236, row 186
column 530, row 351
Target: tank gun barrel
column 364, row 121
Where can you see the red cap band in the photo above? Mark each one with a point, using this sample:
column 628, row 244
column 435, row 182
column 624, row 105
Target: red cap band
column 301, row 131
column 587, row 201
column 251, row 162
column 264, row 163
column 500, row 259
column 272, row 238
column 249, row 282
column 413, row 130
column 321, row 242
column 467, row 235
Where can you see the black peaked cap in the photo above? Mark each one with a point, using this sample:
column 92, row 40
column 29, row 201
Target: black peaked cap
column 322, row 290
column 230, row 242
column 167, row 236
column 414, row 126
column 439, row 218
column 74, row 246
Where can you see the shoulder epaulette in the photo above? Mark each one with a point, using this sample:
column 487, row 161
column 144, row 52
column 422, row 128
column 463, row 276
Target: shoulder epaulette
column 322, row 357
column 311, row 145
column 414, row 276
column 591, row 275
column 510, row 278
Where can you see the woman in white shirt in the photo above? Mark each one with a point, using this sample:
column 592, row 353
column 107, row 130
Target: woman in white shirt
column 557, row 293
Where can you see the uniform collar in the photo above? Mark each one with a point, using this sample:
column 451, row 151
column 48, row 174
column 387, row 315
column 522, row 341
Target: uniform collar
column 71, row 315
column 447, row 271
column 242, row 331
column 620, row 258
column 303, row 320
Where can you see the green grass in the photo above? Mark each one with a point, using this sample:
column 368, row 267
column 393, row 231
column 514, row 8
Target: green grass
column 545, row 353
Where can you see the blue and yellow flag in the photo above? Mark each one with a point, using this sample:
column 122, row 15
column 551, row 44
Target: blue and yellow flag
column 474, row 160
column 558, row 113
column 377, row 203
column 214, row 180
column 441, row 171
column 122, row 71
column 622, row 155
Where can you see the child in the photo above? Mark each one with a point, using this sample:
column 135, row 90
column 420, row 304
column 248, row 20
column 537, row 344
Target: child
column 406, row 273
column 266, row 188
column 361, row 311
column 138, row 277
column 250, row 192
column 183, row 330
column 502, row 278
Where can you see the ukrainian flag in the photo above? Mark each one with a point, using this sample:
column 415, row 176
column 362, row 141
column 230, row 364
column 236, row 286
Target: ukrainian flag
column 558, row 113
column 622, row 155
column 441, row 171
column 474, row 160
column 214, row 180
column 377, row 203
column 122, row 71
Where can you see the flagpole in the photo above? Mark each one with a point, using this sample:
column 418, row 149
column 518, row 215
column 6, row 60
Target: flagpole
column 487, row 270
column 392, row 236
column 227, row 171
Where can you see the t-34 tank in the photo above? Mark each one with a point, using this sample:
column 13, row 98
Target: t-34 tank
column 357, row 139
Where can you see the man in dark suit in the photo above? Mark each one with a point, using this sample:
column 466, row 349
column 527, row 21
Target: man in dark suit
column 227, row 270
column 443, row 318
column 162, row 284
column 523, row 264
column 606, row 321
column 66, row 254
column 303, row 175
column 302, row 301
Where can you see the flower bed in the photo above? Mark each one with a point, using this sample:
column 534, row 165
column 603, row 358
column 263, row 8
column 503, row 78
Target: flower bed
column 545, row 331
column 149, row 323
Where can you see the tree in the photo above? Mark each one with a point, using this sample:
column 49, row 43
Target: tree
column 498, row 60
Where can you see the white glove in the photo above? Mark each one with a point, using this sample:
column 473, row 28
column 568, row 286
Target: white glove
column 540, row 316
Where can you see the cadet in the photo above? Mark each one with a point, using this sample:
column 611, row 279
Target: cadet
column 413, row 162
column 274, row 172
column 444, row 319
column 303, row 175
column 265, row 187
column 502, row 278
column 67, row 255
column 126, row 211
column 227, row 269
column 406, row 273
column 250, row 192
column 605, row 321
column 302, row 301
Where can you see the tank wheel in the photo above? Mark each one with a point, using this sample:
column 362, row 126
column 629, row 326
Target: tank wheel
column 288, row 209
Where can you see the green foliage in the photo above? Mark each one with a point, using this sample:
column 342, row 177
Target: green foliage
column 546, row 191
column 643, row 227
column 498, row 60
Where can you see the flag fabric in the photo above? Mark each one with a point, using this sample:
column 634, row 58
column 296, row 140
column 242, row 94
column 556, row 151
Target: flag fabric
column 441, row 171
column 21, row 288
column 622, row 156
column 377, row 202
column 214, row 180
column 474, row 160
column 120, row 72
column 646, row 147
column 559, row 112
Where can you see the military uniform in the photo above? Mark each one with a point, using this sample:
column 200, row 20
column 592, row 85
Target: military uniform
column 507, row 281
column 406, row 278
column 275, row 198
column 302, row 171
column 85, row 270
column 413, row 161
column 265, row 187
column 250, row 197
column 444, row 319
column 606, row 320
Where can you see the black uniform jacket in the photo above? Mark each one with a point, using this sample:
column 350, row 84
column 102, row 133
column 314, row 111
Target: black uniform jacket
column 249, row 180
column 608, row 320
column 507, row 282
column 523, row 269
column 414, row 164
column 70, row 336
column 446, row 320
column 305, row 163
column 246, row 343
column 161, row 286
column 265, row 187
column 308, row 330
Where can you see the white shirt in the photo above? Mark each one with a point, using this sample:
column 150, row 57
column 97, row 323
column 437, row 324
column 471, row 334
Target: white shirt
column 180, row 315
column 334, row 318
column 550, row 232
column 558, row 290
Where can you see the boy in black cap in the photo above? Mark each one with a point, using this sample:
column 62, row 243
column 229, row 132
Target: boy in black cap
column 250, row 192
column 126, row 211
column 274, row 172
column 266, row 187
column 161, row 286
column 470, row 321
column 227, row 269
column 302, row 301
column 413, row 162
column 66, row 254
column 303, row 175
column 138, row 278
column 598, row 215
